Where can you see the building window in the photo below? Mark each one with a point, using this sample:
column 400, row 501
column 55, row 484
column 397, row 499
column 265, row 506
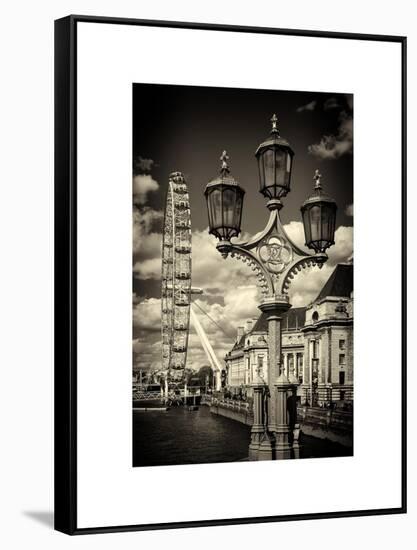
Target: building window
column 342, row 344
column 260, row 364
column 342, row 396
column 342, row 359
column 315, row 370
column 342, row 377
column 315, row 316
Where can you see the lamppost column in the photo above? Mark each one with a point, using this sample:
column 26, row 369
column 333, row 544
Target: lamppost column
column 258, row 420
column 278, row 382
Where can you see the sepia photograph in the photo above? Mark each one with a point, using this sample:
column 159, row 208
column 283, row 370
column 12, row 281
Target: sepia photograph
column 242, row 270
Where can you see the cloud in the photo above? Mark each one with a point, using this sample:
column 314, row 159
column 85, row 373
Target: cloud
column 147, row 352
column 142, row 185
column 148, row 269
column 210, row 270
column 349, row 210
column 295, row 231
column 331, row 103
column 307, row 284
column 334, row 146
column 308, row 107
column 342, row 250
column 147, row 233
column 143, row 165
column 240, row 303
column 147, row 314
column 339, row 252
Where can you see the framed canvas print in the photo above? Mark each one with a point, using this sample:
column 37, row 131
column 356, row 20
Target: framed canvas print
column 229, row 229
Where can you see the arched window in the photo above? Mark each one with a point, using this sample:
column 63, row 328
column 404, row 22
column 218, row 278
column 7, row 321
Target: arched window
column 315, row 316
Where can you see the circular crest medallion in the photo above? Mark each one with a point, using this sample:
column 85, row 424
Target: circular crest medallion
column 275, row 254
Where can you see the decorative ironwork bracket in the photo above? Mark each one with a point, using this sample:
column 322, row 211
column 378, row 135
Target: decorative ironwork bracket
column 273, row 257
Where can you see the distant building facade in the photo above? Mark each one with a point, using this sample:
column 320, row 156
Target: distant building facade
column 317, row 345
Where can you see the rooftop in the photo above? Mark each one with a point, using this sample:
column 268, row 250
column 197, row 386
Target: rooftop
column 292, row 320
column 340, row 283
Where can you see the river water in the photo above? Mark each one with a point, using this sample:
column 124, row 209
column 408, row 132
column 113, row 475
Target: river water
column 178, row 436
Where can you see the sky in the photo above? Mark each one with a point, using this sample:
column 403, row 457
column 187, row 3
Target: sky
column 185, row 129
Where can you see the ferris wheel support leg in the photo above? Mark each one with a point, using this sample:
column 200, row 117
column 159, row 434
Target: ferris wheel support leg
column 217, row 380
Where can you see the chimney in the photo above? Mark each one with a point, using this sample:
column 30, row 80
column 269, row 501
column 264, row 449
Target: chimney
column 248, row 326
column 240, row 333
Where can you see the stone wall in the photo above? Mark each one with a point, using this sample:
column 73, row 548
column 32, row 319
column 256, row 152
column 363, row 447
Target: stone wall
column 322, row 423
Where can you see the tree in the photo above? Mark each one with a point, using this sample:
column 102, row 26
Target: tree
column 203, row 373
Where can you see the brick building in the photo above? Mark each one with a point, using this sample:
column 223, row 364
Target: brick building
column 317, row 345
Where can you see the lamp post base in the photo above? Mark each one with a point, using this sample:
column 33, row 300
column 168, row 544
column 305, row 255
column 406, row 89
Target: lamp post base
column 283, row 448
column 283, row 432
column 266, row 447
column 256, row 439
column 258, row 428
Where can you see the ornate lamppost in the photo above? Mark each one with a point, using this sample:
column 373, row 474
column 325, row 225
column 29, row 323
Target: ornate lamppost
column 275, row 259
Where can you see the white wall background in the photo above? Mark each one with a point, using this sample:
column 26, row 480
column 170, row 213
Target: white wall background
column 26, row 199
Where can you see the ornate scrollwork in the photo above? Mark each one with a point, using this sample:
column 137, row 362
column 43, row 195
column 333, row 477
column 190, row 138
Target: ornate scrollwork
column 272, row 256
column 247, row 259
column 304, row 263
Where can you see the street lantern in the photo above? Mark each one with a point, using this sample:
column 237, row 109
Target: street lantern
column 275, row 158
column 275, row 260
column 319, row 218
column 224, row 198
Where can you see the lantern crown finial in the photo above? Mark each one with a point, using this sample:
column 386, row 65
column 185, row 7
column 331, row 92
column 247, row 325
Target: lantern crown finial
column 317, row 178
column 224, row 167
column 274, row 121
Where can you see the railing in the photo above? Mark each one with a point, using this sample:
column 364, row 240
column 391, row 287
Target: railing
column 146, row 395
column 323, row 423
column 341, row 421
column 232, row 404
column 237, row 410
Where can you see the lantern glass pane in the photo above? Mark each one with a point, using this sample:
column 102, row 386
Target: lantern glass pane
column 210, row 210
column 269, row 167
column 332, row 224
column 326, row 211
column 288, row 171
column 216, row 205
column 229, row 201
column 315, row 222
column 238, row 211
column 261, row 173
column 307, row 226
column 280, row 168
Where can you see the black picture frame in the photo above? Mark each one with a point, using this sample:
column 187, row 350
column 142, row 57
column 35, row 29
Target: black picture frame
column 66, row 274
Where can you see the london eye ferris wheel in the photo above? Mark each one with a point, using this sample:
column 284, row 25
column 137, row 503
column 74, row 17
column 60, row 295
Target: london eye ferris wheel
column 176, row 279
